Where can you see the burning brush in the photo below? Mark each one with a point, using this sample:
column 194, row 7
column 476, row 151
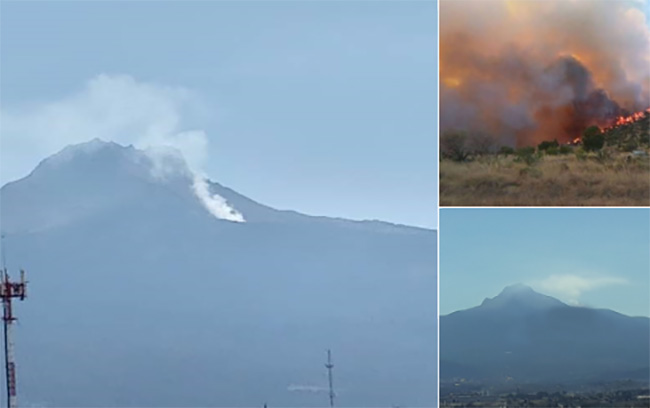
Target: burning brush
column 524, row 72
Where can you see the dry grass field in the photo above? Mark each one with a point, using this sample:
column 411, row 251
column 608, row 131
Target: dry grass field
column 611, row 179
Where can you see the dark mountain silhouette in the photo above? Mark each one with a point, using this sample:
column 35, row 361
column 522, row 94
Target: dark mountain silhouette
column 138, row 296
column 531, row 337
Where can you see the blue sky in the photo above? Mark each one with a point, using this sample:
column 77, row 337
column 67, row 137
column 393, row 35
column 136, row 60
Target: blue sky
column 593, row 257
column 328, row 108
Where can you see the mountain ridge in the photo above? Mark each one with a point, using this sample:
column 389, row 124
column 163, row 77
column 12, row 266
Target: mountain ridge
column 167, row 168
column 527, row 336
column 138, row 296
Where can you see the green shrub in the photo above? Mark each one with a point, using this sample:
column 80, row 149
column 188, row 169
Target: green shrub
column 565, row 149
column 593, row 139
column 548, row 145
column 506, row 150
column 553, row 150
column 526, row 155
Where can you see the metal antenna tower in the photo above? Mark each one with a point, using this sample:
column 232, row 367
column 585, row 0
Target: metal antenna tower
column 329, row 366
column 9, row 290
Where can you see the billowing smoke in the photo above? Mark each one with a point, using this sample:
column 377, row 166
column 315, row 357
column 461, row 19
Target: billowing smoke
column 168, row 162
column 214, row 203
column 527, row 71
column 114, row 108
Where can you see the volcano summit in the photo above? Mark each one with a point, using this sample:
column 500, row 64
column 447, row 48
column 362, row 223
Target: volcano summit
column 526, row 337
column 141, row 296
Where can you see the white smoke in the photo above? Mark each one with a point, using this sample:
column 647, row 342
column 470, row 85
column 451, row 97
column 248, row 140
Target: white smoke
column 214, row 203
column 114, row 108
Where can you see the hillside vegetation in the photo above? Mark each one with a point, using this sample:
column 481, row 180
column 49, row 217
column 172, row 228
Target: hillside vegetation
column 610, row 168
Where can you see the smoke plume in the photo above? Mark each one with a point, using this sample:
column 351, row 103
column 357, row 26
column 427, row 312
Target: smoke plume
column 528, row 71
column 114, row 108
column 214, row 203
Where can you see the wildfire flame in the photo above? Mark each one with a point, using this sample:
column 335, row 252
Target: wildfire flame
column 619, row 121
column 624, row 120
column 524, row 72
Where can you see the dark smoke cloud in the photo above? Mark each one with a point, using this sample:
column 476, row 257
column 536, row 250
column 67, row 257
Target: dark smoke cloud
column 527, row 71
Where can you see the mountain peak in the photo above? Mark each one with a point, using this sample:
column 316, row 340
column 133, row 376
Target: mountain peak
column 97, row 158
column 517, row 289
column 521, row 296
column 92, row 146
column 97, row 175
column 91, row 155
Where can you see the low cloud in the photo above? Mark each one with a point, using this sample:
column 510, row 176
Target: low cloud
column 572, row 287
column 114, row 108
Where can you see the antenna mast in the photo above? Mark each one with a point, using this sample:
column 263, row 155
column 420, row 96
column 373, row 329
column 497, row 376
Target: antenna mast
column 9, row 290
column 329, row 366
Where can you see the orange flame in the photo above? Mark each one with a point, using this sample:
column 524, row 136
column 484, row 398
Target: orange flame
column 624, row 120
column 619, row 121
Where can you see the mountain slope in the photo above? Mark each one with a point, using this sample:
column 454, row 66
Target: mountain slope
column 532, row 337
column 138, row 296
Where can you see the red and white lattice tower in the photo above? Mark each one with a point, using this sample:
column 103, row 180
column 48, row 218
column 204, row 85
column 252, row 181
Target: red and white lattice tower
column 8, row 291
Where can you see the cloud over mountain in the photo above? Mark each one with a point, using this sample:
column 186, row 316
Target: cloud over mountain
column 572, row 286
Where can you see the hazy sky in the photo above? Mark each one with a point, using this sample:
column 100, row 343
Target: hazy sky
column 328, row 108
column 593, row 257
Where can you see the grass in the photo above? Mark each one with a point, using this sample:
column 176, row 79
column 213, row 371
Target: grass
column 562, row 180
